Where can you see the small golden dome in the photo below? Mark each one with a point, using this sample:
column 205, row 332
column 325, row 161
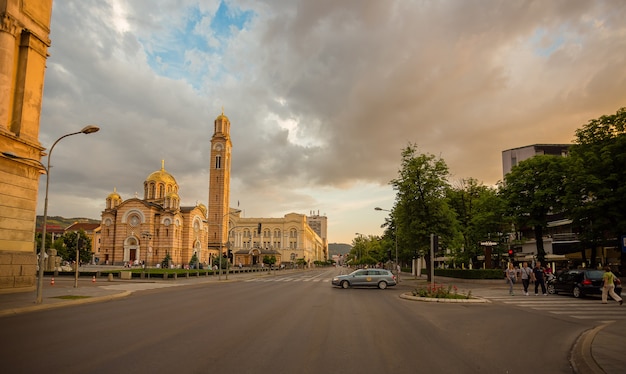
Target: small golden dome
column 114, row 195
column 161, row 176
column 222, row 116
column 202, row 207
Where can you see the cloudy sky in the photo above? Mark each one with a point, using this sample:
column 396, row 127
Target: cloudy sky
column 322, row 95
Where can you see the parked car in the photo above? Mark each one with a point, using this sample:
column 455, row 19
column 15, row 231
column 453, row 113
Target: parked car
column 366, row 278
column 580, row 282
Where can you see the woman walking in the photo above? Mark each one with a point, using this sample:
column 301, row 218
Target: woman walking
column 511, row 276
column 608, row 286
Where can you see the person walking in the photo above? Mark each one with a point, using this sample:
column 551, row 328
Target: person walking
column 539, row 279
column 511, row 277
column 526, row 274
column 608, row 286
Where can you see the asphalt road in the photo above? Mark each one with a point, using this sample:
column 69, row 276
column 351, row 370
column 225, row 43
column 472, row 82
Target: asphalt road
column 285, row 324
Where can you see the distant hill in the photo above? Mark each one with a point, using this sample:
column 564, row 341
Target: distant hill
column 63, row 222
column 338, row 248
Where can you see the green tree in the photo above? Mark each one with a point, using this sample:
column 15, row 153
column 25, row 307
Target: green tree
column 70, row 241
column 481, row 216
column 193, row 261
column 533, row 190
column 165, row 263
column 597, row 181
column 269, row 260
column 420, row 207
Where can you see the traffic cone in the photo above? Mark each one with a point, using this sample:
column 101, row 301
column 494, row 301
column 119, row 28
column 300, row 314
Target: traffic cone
column 93, row 280
column 52, row 281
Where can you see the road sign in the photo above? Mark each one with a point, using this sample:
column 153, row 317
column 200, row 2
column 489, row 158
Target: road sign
column 488, row 244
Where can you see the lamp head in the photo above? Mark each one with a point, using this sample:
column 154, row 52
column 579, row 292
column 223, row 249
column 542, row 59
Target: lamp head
column 90, row 129
column 378, row 208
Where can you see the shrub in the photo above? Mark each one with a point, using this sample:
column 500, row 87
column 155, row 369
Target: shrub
column 439, row 291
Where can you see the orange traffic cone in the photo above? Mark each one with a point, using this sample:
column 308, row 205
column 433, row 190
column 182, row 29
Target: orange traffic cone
column 52, row 281
column 93, row 280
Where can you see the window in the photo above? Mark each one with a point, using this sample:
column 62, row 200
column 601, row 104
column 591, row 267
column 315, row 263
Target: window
column 218, row 162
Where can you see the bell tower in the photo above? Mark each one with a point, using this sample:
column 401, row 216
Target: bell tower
column 219, row 184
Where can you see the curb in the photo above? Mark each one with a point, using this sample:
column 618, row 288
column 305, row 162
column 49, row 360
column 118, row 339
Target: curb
column 34, row 308
column 581, row 356
column 473, row 299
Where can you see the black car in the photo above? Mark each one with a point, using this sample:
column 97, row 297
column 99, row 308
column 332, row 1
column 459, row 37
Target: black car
column 580, row 282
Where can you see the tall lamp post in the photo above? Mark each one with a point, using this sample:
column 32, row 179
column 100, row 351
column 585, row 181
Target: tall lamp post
column 86, row 130
column 395, row 233
column 146, row 235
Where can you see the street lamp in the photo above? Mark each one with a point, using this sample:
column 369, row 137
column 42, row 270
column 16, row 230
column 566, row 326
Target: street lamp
column 221, row 244
column 146, row 235
column 395, row 234
column 86, row 130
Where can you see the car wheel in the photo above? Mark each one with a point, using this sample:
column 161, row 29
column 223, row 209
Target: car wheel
column 382, row 285
column 577, row 292
column 551, row 289
column 345, row 284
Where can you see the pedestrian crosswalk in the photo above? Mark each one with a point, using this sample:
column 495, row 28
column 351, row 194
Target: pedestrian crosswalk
column 290, row 279
column 585, row 308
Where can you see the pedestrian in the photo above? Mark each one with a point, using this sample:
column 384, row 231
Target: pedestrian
column 539, row 279
column 526, row 275
column 511, row 277
column 608, row 286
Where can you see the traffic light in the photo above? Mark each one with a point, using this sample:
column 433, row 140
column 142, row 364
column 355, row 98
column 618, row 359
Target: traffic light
column 389, row 254
column 510, row 253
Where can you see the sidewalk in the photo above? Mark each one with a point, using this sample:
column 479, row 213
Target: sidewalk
column 599, row 350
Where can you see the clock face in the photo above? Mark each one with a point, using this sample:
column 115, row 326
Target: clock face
column 218, row 147
column 166, row 222
column 107, row 222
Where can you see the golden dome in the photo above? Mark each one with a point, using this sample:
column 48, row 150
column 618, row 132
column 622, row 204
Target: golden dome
column 222, row 116
column 161, row 176
column 114, row 195
column 202, row 207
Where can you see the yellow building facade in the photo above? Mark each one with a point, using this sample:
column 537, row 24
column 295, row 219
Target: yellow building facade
column 24, row 42
column 288, row 239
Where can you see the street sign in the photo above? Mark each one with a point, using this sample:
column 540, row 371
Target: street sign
column 488, row 244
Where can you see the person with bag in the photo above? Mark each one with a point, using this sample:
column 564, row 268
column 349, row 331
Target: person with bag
column 526, row 275
column 511, row 276
column 608, row 286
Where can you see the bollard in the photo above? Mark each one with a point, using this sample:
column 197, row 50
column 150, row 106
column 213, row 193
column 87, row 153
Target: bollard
column 52, row 281
column 110, row 277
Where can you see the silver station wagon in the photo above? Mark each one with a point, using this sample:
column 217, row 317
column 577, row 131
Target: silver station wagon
column 366, row 278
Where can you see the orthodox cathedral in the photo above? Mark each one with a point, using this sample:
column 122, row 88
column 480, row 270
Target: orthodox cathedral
column 156, row 227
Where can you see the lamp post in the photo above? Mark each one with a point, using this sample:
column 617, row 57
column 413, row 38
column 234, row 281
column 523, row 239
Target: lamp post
column 222, row 243
column 146, row 235
column 86, row 130
column 395, row 234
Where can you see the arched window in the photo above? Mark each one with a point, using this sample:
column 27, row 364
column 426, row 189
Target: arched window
column 218, row 162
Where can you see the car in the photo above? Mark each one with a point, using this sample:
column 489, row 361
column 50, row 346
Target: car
column 366, row 278
column 580, row 282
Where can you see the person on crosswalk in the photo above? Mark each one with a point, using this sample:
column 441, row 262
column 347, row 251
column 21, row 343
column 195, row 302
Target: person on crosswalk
column 539, row 279
column 511, row 277
column 608, row 286
column 526, row 275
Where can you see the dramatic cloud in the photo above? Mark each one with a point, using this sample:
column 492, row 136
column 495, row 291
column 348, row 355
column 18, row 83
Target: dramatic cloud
column 322, row 95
